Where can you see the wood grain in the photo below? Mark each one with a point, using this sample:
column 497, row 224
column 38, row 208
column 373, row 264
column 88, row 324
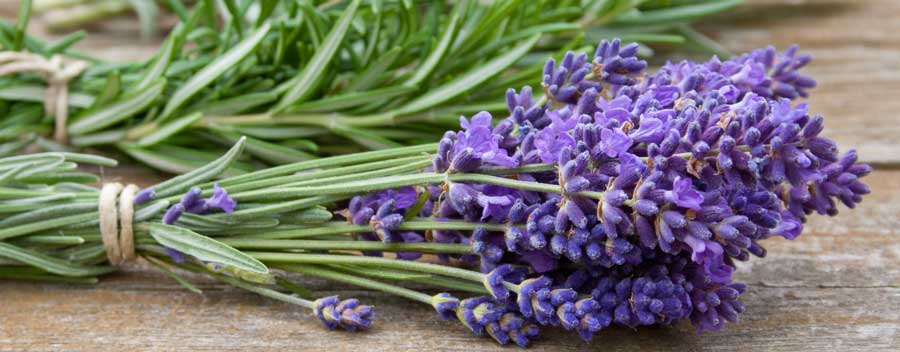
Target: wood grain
column 837, row 287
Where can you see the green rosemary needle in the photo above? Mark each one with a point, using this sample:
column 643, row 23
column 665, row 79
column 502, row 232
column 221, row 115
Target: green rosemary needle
column 306, row 79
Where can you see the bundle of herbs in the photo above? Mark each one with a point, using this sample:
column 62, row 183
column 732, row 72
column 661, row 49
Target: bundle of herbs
column 615, row 198
column 302, row 79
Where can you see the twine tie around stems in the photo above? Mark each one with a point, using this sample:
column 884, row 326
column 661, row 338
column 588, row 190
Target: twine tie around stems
column 57, row 73
column 117, row 222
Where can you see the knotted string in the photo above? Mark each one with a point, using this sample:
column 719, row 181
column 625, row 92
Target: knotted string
column 57, row 73
column 116, row 222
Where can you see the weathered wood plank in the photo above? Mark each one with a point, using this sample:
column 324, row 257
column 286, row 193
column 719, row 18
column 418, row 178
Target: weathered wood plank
column 131, row 313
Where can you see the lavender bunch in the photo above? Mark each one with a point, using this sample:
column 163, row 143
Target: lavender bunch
column 658, row 184
column 618, row 197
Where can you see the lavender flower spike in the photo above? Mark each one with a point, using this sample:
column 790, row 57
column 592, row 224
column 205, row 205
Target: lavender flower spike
column 173, row 213
column 347, row 314
column 221, row 200
column 445, row 304
column 144, row 196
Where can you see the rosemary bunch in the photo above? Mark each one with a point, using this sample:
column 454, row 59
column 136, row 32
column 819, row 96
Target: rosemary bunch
column 308, row 78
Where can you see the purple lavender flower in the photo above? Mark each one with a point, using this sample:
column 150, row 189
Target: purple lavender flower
column 614, row 142
column 689, row 169
column 385, row 220
column 221, row 200
column 478, row 312
column 495, row 280
column 475, row 146
column 481, row 314
column 684, row 195
column 495, row 202
column 176, row 255
column 522, row 109
column 347, row 314
column 615, row 64
column 512, row 327
column 144, row 196
column 409, row 237
column 714, row 305
column 445, row 304
column 173, row 213
column 567, row 82
column 193, row 201
column 710, row 255
column 551, row 140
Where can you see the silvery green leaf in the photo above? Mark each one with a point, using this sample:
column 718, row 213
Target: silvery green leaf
column 50, row 264
column 209, row 171
column 365, row 138
column 468, row 80
column 160, row 65
column 675, row 14
column 238, row 104
column 349, row 100
column 304, row 83
column 169, row 129
column 267, row 151
column 427, row 67
column 107, row 116
column 214, row 70
column 147, row 14
column 21, row 24
column 372, row 75
column 204, row 248
column 111, row 89
column 36, row 94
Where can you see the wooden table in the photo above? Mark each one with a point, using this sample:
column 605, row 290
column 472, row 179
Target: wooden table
column 837, row 287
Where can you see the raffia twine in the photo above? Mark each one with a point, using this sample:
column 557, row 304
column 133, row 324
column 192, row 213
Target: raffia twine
column 57, row 72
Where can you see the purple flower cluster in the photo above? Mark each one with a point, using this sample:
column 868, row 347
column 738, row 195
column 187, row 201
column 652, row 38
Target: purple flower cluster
column 694, row 166
column 347, row 314
column 384, row 211
column 487, row 314
column 193, row 202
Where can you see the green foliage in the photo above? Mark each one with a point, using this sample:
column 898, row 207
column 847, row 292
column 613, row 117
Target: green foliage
column 311, row 78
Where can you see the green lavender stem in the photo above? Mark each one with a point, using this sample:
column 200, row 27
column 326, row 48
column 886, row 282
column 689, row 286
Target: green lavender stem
column 422, row 247
column 381, row 183
column 334, row 228
column 314, row 270
column 342, row 160
column 262, row 291
column 303, row 258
